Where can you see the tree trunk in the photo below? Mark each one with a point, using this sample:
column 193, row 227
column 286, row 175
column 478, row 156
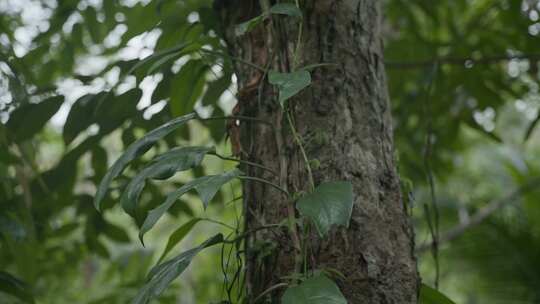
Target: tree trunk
column 343, row 120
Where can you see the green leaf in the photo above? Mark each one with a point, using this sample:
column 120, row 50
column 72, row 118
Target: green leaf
column 187, row 86
column 162, row 275
column 116, row 233
column 289, row 84
column 15, row 287
column 315, row 290
column 30, row 118
column 94, row 27
column 490, row 134
column 99, row 161
column 211, row 184
column 165, row 59
column 178, row 235
column 206, row 186
column 113, row 111
column 135, row 150
column 158, row 55
column 244, row 27
column 330, row 204
column 162, row 167
column 80, row 117
column 429, row 295
column 289, row 9
column 215, row 89
column 531, row 127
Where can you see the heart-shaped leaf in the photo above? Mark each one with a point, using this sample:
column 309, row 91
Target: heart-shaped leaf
column 330, row 204
column 206, row 186
column 429, row 295
column 162, row 275
column 315, row 290
column 162, row 167
column 289, row 84
column 135, row 150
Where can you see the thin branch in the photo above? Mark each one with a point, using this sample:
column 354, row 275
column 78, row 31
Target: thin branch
column 237, row 117
column 270, row 289
column 302, row 150
column 243, row 235
column 463, row 61
column 482, row 214
column 217, row 222
column 239, row 60
column 243, row 162
column 260, row 180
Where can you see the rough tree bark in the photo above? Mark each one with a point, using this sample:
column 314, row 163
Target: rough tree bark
column 344, row 121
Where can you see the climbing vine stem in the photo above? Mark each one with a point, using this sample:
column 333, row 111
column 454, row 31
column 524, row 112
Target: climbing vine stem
column 298, row 141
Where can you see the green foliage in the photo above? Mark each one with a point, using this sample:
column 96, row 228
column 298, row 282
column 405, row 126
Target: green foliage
column 315, row 290
column 161, row 276
column 244, row 27
column 178, row 235
column 329, row 204
column 29, row 118
column 289, row 84
column 288, row 9
column 206, row 186
column 135, row 150
column 15, row 287
column 448, row 63
column 162, row 167
column 429, row 295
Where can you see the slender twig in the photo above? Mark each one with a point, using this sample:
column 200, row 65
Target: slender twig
column 300, row 257
column 237, row 117
column 243, row 235
column 302, row 150
column 270, row 289
column 260, row 180
column 483, row 214
column 318, row 65
column 217, row 222
column 240, row 60
column 463, row 61
column 243, row 162
column 298, row 40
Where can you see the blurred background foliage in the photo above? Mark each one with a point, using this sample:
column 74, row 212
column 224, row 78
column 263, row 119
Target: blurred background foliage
column 82, row 79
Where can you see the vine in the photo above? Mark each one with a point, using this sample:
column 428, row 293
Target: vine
column 311, row 206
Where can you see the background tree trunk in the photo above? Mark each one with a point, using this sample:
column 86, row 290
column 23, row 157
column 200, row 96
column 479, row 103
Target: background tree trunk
column 344, row 121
